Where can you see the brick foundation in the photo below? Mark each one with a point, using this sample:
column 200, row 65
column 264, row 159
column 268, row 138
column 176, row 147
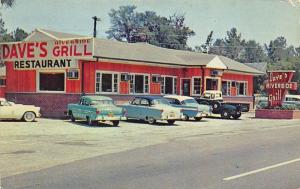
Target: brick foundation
column 277, row 114
column 55, row 105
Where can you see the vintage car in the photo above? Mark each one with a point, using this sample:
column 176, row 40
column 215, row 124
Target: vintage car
column 151, row 109
column 187, row 103
column 10, row 110
column 214, row 98
column 96, row 108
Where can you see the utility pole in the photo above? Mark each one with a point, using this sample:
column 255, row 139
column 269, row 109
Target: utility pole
column 95, row 18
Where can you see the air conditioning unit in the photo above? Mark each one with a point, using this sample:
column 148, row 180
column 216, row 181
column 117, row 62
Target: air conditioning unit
column 216, row 73
column 156, row 78
column 125, row 77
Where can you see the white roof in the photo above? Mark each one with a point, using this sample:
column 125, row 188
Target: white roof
column 293, row 96
column 178, row 97
column 147, row 53
column 212, row 91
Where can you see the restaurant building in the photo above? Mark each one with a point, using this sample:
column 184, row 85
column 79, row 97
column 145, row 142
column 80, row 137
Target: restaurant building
column 2, row 81
column 51, row 69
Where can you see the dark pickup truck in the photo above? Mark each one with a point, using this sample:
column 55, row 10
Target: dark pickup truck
column 226, row 110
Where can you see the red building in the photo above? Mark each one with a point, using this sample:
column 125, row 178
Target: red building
column 51, row 69
column 2, row 82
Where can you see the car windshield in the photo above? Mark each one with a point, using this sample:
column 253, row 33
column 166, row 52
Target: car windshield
column 160, row 101
column 102, row 102
column 206, row 95
column 190, row 101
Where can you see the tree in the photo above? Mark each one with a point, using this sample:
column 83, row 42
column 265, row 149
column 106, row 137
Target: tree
column 234, row 44
column 3, row 32
column 252, row 52
column 218, row 48
column 131, row 26
column 123, row 24
column 276, row 49
column 19, row 34
column 7, row 3
column 205, row 48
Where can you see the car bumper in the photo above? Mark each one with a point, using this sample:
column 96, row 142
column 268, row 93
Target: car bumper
column 172, row 117
column 110, row 118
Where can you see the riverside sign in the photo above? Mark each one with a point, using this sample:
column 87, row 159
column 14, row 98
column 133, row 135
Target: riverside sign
column 53, row 54
column 277, row 86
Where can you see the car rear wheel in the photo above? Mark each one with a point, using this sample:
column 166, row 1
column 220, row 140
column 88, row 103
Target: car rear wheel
column 171, row 122
column 225, row 114
column 151, row 120
column 116, row 123
column 72, row 118
column 198, row 118
column 186, row 118
column 236, row 116
column 29, row 116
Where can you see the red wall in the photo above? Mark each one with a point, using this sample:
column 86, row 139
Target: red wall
column 25, row 81
column 2, row 92
column 240, row 77
column 90, row 69
column 20, row 81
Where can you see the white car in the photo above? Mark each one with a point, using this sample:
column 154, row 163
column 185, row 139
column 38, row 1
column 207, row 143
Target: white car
column 10, row 110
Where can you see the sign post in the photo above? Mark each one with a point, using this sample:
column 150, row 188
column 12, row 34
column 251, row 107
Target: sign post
column 277, row 86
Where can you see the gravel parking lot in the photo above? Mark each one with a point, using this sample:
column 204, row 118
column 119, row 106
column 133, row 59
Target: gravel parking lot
column 26, row 147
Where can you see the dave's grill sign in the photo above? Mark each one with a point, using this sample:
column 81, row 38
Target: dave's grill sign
column 54, row 54
column 277, row 86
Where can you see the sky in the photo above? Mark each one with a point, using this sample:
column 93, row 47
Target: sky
column 261, row 20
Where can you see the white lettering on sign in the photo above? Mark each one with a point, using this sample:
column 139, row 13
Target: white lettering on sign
column 47, row 50
column 47, row 54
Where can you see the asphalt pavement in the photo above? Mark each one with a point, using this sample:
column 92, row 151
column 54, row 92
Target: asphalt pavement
column 259, row 159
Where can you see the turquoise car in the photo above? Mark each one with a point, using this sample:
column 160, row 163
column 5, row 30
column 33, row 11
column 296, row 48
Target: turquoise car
column 152, row 109
column 189, row 105
column 96, row 108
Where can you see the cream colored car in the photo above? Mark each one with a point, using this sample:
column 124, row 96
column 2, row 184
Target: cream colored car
column 10, row 110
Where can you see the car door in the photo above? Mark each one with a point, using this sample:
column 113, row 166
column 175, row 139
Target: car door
column 6, row 110
column 133, row 108
column 144, row 108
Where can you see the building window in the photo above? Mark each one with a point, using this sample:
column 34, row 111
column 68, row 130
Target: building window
column 212, row 84
column 241, row 88
column 73, row 74
column 226, row 88
column 107, row 82
column 197, row 86
column 2, row 82
column 168, row 85
column 52, row 82
column 139, row 84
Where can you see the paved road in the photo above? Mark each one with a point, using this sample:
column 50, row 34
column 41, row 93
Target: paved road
column 266, row 159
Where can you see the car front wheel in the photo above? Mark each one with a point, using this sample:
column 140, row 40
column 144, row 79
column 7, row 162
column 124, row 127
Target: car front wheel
column 29, row 116
column 89, row 121
column 116, row 123
column 198, row 118
column 171, row 122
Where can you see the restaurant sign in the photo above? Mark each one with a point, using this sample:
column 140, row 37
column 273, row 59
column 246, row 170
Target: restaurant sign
column 277, row 86
column 53, row 54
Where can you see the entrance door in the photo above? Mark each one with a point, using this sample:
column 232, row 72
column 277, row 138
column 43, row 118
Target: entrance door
column 186, row 87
